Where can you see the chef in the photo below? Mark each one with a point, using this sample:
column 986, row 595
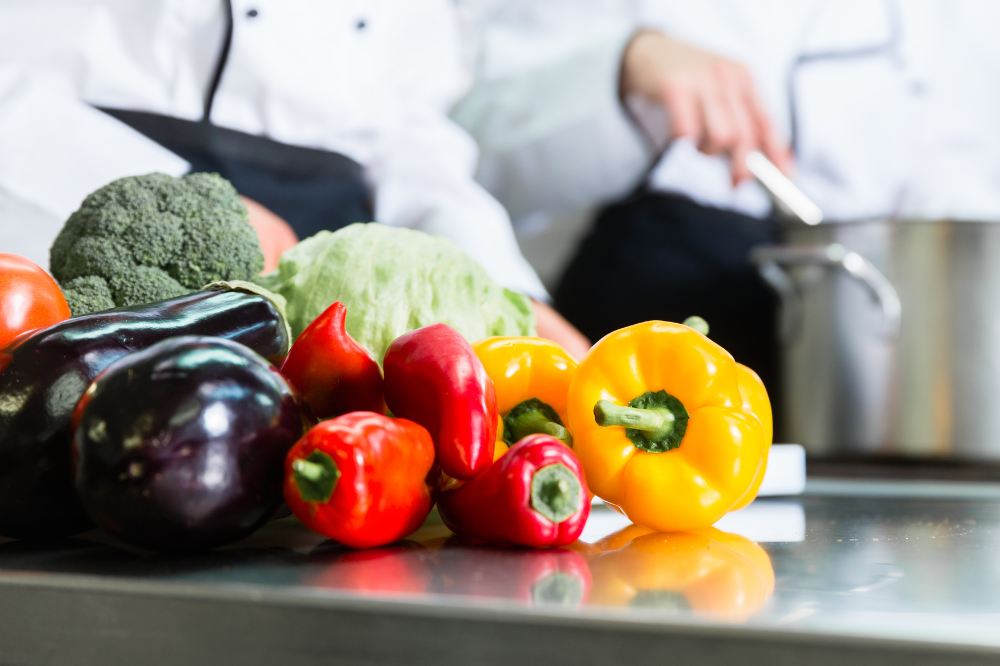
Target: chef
column 320, row 113
column 876, row 108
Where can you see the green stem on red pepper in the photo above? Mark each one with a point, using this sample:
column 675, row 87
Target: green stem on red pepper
column 316, row 476
column 555, row 492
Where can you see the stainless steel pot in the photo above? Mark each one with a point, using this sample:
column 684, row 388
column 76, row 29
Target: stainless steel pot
column 891, row 337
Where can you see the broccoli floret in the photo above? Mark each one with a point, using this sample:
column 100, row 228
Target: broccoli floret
column 147, row 238
column 88, row 294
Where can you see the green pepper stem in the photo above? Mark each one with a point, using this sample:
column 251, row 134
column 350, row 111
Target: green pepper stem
column 555, row 492
column 534, row 416
column 532, row 422
column 316, row 476
column 657, row 422
column 558, row 589
column 654, row 422
column 309, row 470
column 697, row 323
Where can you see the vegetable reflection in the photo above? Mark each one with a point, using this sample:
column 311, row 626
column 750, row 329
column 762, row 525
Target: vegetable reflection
column 707, row 572
column 549, row 577
column 404, row 567
column 454, row 566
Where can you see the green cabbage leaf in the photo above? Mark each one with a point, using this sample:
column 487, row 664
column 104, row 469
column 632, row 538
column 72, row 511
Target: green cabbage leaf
column 394, row 280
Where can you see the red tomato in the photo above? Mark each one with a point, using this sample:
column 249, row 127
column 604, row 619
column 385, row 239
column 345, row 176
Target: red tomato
column 29, row 298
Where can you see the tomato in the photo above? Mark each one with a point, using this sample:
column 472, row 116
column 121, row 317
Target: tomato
column 29, row 298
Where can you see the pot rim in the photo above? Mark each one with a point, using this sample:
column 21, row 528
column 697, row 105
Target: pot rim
column 793, row 225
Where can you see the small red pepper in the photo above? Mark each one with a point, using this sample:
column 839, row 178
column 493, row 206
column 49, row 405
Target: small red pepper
column 362, row 479
column 331, row 370
column 433, row 377
column 535, row 495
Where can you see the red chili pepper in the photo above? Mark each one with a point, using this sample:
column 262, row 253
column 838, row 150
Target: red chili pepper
column 535, row 495
column 334, row 373
column 362, row 479
column 433, row 377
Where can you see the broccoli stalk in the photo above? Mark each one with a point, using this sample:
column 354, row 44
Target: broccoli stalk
column 147, row 238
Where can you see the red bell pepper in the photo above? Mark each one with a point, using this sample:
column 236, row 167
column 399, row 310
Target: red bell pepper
column 334, row 373
column 362, row 479
column 433, row 377
column 535, row 495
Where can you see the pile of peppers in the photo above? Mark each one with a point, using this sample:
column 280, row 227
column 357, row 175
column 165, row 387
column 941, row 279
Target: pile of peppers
column 510, row 436
column 478, row 431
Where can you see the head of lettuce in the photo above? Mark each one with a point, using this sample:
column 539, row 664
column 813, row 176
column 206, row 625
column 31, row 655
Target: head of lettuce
column 392, row 281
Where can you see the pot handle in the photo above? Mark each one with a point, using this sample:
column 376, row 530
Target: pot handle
column 770, row 258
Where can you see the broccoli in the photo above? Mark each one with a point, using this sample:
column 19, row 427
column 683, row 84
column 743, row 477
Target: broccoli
column 89, row 294
column 148, row 238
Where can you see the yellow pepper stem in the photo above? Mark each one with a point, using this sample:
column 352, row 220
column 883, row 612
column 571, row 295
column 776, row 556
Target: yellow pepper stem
column 534, row 416
column 657, row 422
column 697, row 323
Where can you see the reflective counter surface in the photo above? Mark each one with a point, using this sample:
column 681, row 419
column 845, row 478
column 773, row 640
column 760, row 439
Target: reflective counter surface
column 850, row 573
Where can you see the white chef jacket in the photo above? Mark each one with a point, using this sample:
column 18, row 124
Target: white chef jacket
column 371, row 79
column 896, row 103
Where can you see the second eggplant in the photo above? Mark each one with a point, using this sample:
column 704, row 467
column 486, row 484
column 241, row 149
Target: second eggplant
column 182, row 446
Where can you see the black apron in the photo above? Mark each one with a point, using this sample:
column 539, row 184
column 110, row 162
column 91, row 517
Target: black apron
column 661, row 256
column 311, row 189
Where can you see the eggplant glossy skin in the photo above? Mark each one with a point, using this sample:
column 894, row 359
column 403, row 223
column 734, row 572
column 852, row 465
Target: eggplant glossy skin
column 43, row 376
column 182, row 446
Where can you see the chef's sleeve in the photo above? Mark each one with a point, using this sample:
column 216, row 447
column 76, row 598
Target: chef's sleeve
column 545, row 108
column 56, row 149
column 425, row 182
column 423, row 169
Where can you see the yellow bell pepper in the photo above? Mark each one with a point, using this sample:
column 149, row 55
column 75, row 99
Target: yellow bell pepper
column 662, row 428
column 532, row 378
column 724, row 576
column 756, row 402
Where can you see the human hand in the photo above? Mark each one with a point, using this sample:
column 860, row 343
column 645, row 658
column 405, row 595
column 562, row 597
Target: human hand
column 274, row 233
column 553, row 326
column 709, row 99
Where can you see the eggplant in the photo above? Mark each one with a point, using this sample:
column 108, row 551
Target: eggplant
column 42, row 377
column 182, row 446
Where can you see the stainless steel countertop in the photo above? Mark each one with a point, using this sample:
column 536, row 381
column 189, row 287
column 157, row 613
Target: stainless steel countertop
column 856, row 571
